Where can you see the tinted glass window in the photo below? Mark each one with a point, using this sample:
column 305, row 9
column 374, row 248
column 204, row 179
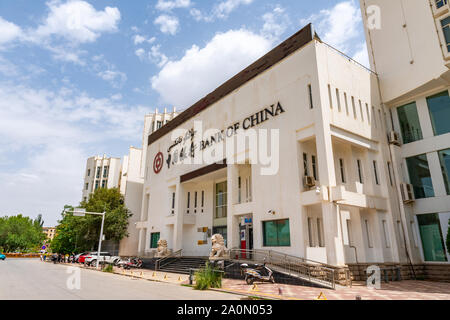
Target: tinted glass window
column 439, row 107
column 444, row 157
column 420, row 177
column 409, row 123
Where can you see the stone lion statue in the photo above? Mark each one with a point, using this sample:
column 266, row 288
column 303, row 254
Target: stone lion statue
column 218, row 249
column 162, row 250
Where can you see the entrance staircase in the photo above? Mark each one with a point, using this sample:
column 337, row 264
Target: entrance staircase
column 312, row 272
column 179, row 264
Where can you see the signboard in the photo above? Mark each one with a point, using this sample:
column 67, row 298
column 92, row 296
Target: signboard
column 158, row 163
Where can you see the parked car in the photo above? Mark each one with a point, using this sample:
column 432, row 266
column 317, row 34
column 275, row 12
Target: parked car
column 82, row 258
column 2, row 256
column 77, row 257
column 105, row 257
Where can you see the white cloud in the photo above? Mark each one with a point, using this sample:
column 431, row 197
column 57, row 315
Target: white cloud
column 116, row 78
column 138, row 39
column 76, row 21
column 224, row 8
column 8, row 31
column 167, row 24
column 221, row 10
column 338, row 26
column 275, row 23
column 201, row 70
column 49, row 134
column 167, row 5
column 154, row 55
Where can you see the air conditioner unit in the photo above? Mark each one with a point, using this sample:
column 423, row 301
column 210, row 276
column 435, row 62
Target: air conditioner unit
column 394, row 138
column 407, row 192
column 309, row 182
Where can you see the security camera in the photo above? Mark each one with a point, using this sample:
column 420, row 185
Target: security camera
column 272, row 212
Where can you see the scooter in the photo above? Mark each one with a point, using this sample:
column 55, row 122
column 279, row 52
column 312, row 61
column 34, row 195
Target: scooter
column 256, row 273
column 130, row 263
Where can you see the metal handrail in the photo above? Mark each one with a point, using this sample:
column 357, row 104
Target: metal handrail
column 290, row 264
column 172, row 255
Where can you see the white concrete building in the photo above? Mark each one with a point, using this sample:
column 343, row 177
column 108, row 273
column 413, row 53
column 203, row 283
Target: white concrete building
column 101, row 172
column 409, row 49
column 330, row 200
column 132, row 179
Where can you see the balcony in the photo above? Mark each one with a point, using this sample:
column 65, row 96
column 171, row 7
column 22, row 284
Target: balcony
column 440, row 7
column 344, row 197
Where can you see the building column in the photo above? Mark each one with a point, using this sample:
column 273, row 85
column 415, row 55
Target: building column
column 232, row 198
column 179, row 215
column 141, row 241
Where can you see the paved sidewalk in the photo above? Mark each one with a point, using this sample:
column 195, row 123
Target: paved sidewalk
column 403, row 290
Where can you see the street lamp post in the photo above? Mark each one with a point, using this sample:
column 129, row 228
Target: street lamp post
column 81, row 212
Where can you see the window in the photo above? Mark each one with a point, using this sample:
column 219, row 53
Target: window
column 375, row 172
column 154, row 238
column 329, row 96
column 440, row 3
column 87, row 186
column 444, row 157
column 354, row 107
column 203, row 199
column 98, row 172
column 368, row 113
column 104, row 183
column 341, row 167
column 311, row 105
column 400, row 233
column 158, row 124
column 221, row 200
column 239, row 190
column 431, row 235
column 89, row 172
column 389, row 171
column 361, row 110
column 320, row 233
column 314, row 167
column 439, row 108
column 409, row 123
column 310, row 232
column 195, row 199
column 346, row 103
column 338, row 99
column 173, row 202
column 188, row 200
column 305, row 164
column 420, row 177
column 445, row 23
column 369, row 237
column 97, row 184
column 105, row 171
column 276, row 233
column 386, row 234
column 360, row 174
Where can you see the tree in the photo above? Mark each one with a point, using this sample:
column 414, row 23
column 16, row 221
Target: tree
column 19, row 233
column 77, row 234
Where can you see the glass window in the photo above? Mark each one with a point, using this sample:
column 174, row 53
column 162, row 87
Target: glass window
column 409, row 123
column 154, row 238
column 221, row 200
column 96, row 184
column 420, row 177
column 311, row 104
column 431, row 235
column 439, row 108
column 314, row 167
column 440, row 3
column 98, row 171
column 305, row 164
column 276, row 233
column 342, row 170
column 104, row 183
column 360, row 174
column 105, row 171
column 375, row 172
column 369, row 236
column 222, row 231
column 87, row 186
column 444, row 157
column 89, row 172
column 446, row 30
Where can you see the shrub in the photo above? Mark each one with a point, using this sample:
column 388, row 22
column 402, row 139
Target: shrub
column 208, row 277
column 108, row 268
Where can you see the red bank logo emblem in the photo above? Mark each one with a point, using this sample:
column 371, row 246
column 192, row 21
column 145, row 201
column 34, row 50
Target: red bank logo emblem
column 158, row 163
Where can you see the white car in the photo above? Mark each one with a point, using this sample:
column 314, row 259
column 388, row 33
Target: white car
column 105, row 257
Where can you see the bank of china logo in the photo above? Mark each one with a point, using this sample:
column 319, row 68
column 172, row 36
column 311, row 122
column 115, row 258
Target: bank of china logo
column 158, row 163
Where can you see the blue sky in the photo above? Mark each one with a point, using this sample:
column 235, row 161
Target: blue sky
column 77, row 77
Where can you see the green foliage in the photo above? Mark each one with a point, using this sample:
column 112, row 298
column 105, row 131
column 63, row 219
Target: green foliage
column 208, row 277
column 19, row 233
column 108, row 268
column 77, row 234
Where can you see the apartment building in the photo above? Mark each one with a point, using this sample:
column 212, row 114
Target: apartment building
column 410, row 52
column 101, row 172
column 49, row 232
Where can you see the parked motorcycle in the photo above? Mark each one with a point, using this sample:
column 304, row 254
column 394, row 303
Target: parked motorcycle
column 130, row 263
column 257, row 273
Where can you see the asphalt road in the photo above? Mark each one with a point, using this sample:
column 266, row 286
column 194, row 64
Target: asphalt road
column 31, row 279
